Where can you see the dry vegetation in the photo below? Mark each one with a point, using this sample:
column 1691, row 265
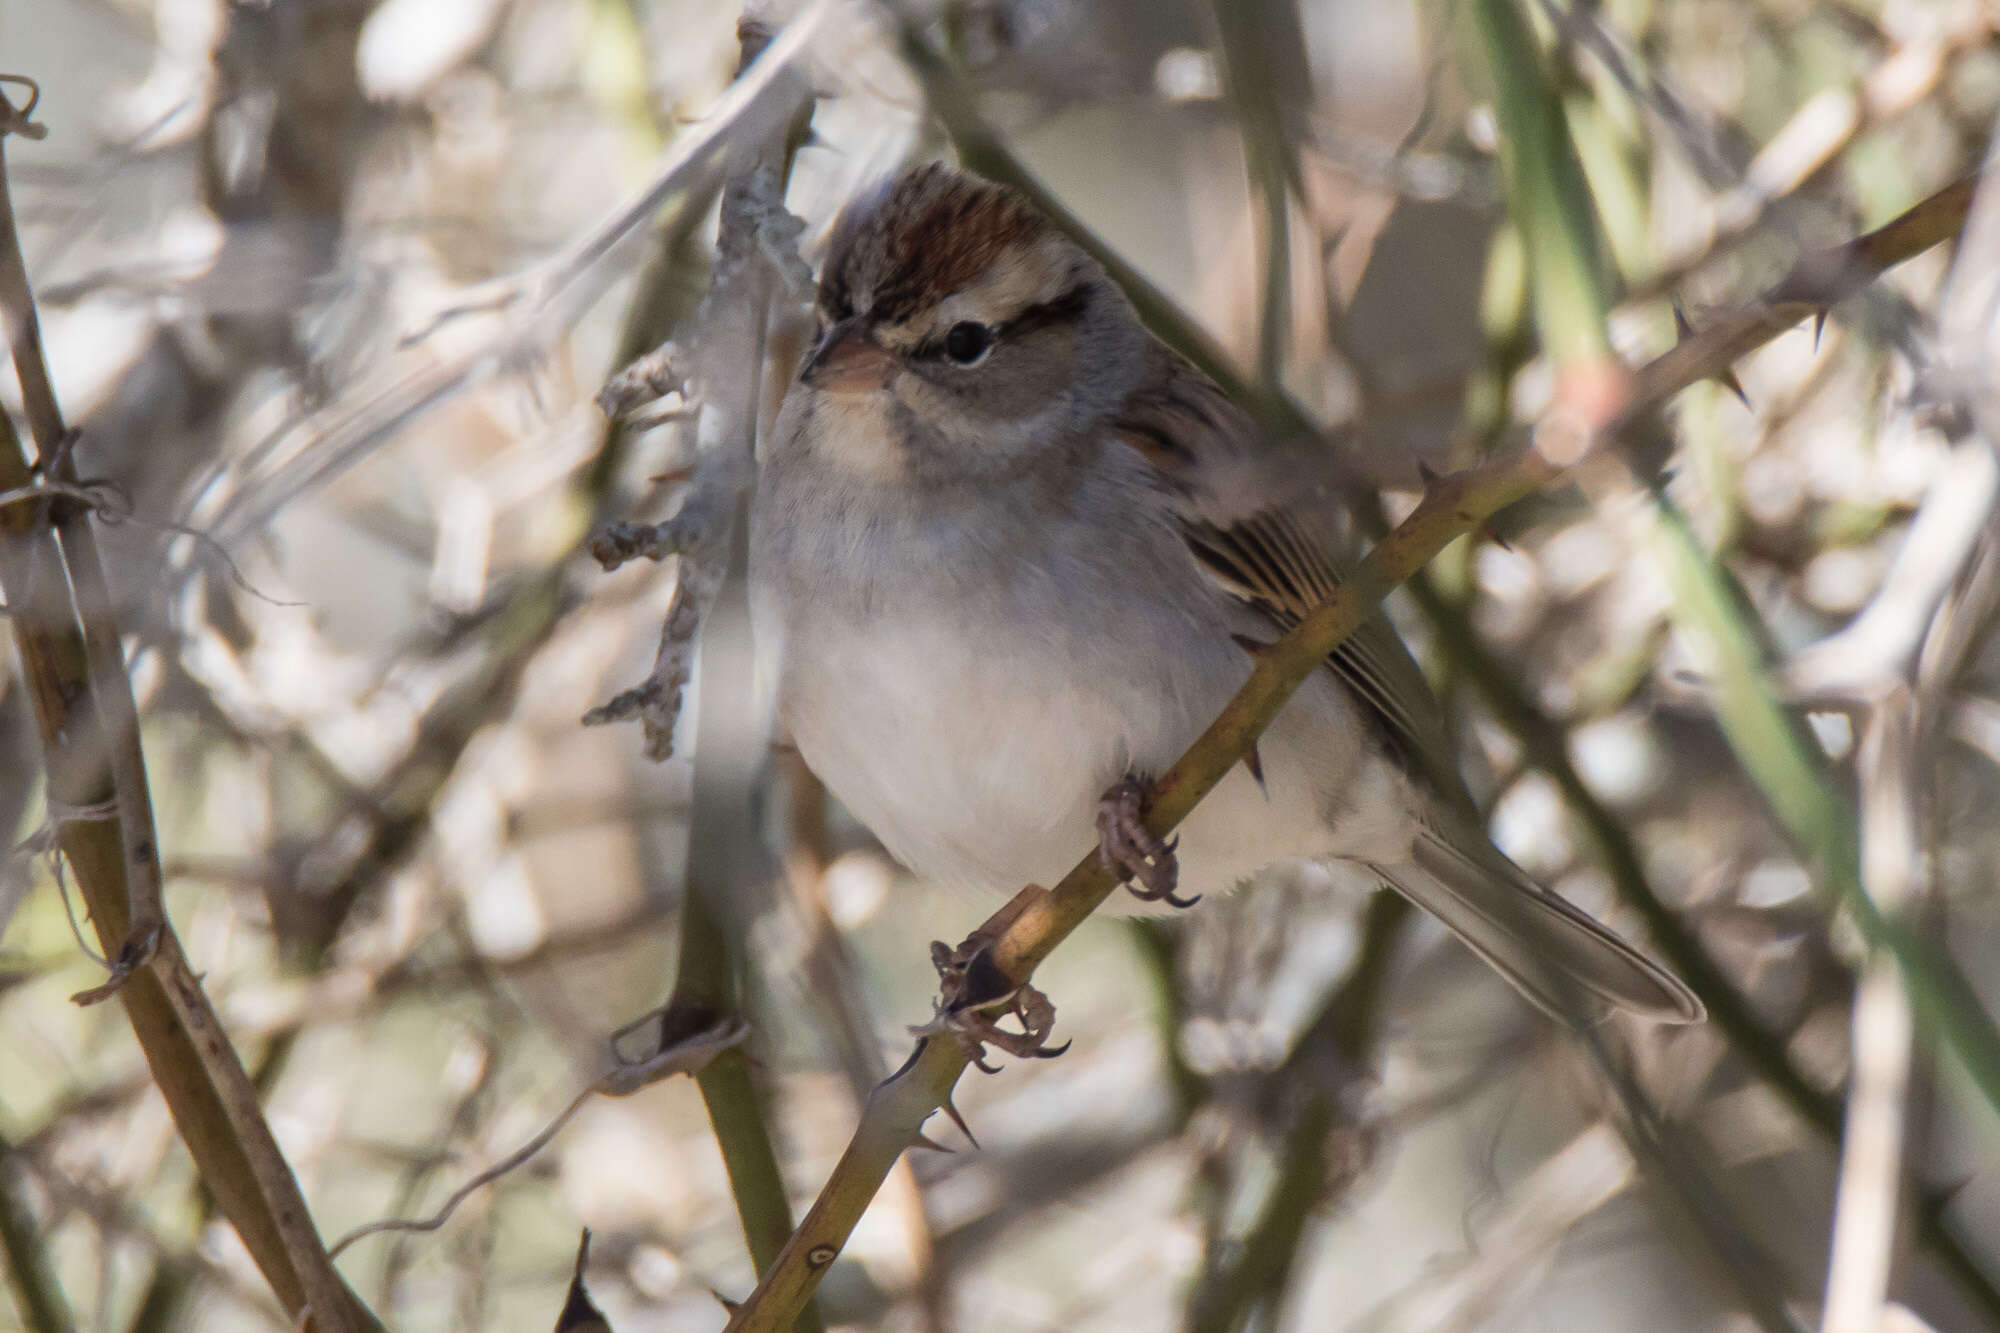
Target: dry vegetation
column 327, row 293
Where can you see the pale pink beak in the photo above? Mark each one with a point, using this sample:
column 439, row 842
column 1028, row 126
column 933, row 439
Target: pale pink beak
column 847, row 360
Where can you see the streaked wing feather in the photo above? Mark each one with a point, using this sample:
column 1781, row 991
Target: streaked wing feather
column 1268, row 556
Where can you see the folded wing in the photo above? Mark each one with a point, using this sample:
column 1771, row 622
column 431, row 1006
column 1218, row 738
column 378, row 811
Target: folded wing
column 1270, row 557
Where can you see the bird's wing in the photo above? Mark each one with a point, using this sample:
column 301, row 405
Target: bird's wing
column 1264, row 546
column 1275, row 551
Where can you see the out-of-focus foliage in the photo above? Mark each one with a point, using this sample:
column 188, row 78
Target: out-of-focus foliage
column 421, row 893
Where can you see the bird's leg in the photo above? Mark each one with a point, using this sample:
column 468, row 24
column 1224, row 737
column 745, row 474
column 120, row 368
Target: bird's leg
column 1127, row 848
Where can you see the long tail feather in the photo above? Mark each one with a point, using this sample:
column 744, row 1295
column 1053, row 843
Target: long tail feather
column 1556, row 955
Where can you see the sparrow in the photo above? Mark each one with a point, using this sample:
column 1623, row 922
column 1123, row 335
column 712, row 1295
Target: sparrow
column 1008, row 551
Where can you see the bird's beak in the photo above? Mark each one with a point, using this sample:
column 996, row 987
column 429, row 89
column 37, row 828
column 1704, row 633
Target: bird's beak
column 847, row 360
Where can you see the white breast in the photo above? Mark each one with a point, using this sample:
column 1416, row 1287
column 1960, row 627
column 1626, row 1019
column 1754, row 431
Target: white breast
column 971, row 764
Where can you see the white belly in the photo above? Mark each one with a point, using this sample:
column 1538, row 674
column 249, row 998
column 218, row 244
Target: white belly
column 984, row 767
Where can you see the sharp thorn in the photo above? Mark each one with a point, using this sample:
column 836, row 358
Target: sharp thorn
column 1730, row 382
column 1682, row 329
column 907, row 1065
column 950, row 1108
column 1051, row 1052
column 1487, row 531
column 922, row 1140
column 1427, row 474
column 1819, row 325
column 1255, row 763
column 1254, row 647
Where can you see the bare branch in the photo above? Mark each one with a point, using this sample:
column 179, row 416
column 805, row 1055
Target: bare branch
column 539, row 304
column 90, row 735
column 689, row 1056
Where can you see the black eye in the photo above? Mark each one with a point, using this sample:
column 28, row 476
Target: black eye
column 966, row 343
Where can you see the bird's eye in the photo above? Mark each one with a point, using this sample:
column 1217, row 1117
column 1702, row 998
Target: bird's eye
column 967, row 343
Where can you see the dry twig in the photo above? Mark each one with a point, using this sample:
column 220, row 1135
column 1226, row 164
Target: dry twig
column 102, row 811
column 689, row 1055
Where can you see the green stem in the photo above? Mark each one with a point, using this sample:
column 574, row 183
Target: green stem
column 1154, row 939
column 729, row 768
column 37, row 1294
column 709, row 985
column 1249, row 46
column 1781, row 760
column 1546, row 191
column 1346, row 1028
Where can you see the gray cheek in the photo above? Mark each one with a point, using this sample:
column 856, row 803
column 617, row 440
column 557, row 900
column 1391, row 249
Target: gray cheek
column 957, row 437
column 1003, row 404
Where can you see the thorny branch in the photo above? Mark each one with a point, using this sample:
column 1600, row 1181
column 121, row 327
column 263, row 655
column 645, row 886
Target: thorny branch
column 101, row 808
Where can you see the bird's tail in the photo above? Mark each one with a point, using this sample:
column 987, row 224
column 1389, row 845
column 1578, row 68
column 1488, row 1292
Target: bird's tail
column 1553, row 953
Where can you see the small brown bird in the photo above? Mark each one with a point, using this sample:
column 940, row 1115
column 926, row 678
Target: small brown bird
column 1010, row 546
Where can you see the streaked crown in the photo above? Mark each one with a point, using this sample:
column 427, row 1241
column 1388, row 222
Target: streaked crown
column 920, row 238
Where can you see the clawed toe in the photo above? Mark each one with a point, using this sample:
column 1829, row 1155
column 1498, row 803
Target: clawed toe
column 975, row 1030
column 1144, row 863
column 975, row 1000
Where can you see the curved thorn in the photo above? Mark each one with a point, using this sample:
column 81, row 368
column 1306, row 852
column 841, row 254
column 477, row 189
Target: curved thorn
column 950, row 1108
column 1734, row 385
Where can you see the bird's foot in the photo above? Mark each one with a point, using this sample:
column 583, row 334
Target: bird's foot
column 1144, row 863
column 976, row 997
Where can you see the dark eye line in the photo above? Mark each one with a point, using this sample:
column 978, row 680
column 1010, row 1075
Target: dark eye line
column 1057, row 310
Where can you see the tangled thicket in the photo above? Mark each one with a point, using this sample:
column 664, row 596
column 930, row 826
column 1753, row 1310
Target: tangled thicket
column 328, row 291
